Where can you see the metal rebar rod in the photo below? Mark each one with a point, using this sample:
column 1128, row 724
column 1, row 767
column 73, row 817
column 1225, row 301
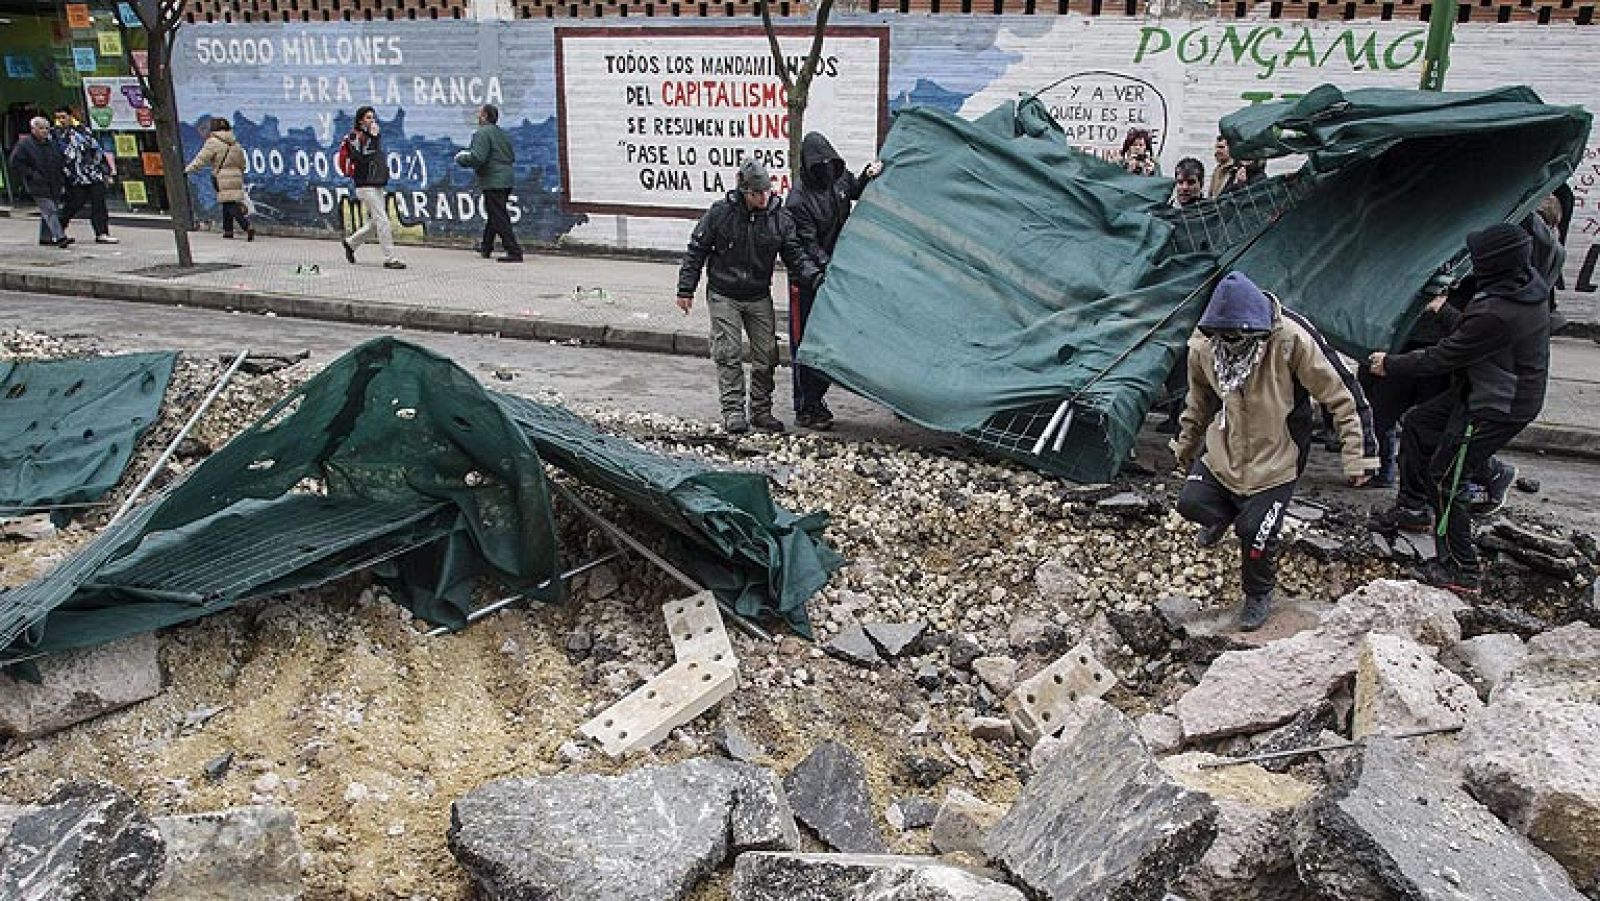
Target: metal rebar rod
column 1315, row 749
column 46, row 508
column 616, row 532
column 503, row 603
column 183, row 433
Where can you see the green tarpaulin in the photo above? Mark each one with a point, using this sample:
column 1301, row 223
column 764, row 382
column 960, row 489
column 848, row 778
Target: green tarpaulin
column 69, row 427
column 993, row 273
column 394, row 459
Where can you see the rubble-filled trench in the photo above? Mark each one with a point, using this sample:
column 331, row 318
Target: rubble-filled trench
column 336, row 703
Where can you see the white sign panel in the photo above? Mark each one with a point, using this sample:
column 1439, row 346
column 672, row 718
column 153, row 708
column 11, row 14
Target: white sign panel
column 117, row 104
column 655, row 122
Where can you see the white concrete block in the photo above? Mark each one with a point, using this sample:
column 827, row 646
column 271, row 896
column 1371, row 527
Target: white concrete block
column 675, row 696
column 80, row 685
column 695, row 625
column 1045, row 703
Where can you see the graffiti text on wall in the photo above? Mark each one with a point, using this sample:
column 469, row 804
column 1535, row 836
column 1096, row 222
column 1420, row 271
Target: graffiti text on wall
column 1269, row 48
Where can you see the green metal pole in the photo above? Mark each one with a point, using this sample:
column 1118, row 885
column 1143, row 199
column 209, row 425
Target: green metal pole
column 1436, row 54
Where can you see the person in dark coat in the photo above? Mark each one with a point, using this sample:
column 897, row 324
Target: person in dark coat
column 492, row 157
column 819, row 205
column 88, row 174
column 39, row 165
column 736, row 244
column 1497, row 354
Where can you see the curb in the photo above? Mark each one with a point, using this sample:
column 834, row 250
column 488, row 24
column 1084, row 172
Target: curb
column 1569, row 441
column 364, row 312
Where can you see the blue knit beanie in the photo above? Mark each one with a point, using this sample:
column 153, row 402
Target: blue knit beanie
column 1237, row 304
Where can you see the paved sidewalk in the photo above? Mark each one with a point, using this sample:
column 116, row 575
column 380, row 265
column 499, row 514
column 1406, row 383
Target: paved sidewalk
column 620, row 303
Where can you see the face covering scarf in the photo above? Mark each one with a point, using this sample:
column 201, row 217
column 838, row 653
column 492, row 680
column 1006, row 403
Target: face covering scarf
column 1233, row 359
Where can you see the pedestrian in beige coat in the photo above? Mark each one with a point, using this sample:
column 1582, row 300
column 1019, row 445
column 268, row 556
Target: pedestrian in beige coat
column 223, row 153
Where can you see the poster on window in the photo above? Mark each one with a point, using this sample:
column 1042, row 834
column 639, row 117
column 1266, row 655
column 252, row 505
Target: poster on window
column 117, row 103
column 658, row 122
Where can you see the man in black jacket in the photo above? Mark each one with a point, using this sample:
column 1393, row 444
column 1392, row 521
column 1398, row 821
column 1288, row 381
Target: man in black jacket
column 364, row 148
column 1497, row 353
column 737, row 242
column 39, row 165
column 819, row 206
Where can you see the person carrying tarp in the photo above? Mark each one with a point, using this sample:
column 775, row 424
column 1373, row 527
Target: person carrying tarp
column 1497, row 353
column 737, row 242
column 819, row 205
column 1254, row 368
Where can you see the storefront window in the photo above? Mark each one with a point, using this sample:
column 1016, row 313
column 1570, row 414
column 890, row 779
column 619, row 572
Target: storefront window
column 74, row 55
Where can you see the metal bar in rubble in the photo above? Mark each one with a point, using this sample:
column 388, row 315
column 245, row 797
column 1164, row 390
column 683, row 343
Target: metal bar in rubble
column 616, row 532
column 503, row 603
column 183, row 433
column 1316, row 749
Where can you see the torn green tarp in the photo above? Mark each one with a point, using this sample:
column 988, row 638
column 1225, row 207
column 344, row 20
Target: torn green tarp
column 394, row 459
column 68, row 427
column 390, row 451
column 1403, row 177
column 757, row 557
column 993, row 270
column 992, row 273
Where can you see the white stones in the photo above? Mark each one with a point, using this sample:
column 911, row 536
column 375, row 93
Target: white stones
column 1492, row 657
column 80, row 685
column 1041, row 706
column 997, row 672
column 1162, row 734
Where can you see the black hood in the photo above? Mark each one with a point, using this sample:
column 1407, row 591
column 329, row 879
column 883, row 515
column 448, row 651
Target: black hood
column 820, row 164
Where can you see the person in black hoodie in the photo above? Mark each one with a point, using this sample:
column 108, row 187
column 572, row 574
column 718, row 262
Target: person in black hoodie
column 364, row 149
column 819, row 206
column 737, row 244
column 1497, row 353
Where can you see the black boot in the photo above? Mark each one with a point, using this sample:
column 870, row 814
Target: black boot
column 1253, row 615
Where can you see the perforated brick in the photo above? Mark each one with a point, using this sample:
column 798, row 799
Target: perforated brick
column 675, row 696
column 1042, row 705
column 695, row 625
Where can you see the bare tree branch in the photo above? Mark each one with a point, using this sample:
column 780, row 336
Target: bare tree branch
column 772, row 42
column 809, row 70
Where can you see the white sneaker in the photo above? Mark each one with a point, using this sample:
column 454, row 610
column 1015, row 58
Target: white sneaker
column 105, row 239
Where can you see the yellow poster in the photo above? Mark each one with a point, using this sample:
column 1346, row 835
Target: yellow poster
column 133, row 192
column 127, row 145
column 69, row 77
column 110, row 43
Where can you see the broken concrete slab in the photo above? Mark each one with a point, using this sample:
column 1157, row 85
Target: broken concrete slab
column 1530, row 756
column 1400, row 687
column 648, row 835
column 1250, row 691
column 853, row 646
column 242, row 852
column 894, row 639
column 37, row 527
column 963, row 821
column 1102, row 820
column 761, row 819
column 80, row 685
column 1491, row 657
column 673, row 697
column 828, row 793
column 731, row 741
column 87, row 840
column 695, row 627
column 1042, row 705
column 1251, row 859
column 1389, row 827
column 1485, row 619
column 858, row 877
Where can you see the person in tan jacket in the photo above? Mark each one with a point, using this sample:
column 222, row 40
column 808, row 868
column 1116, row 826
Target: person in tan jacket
column 1254, row 369
column 226, row 158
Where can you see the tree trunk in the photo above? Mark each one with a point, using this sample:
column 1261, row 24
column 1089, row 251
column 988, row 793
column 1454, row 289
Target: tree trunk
column 797, row 131
column 164, row 108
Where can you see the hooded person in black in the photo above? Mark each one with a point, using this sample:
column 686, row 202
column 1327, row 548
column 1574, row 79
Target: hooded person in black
column 819, row 205
column 1496, row 352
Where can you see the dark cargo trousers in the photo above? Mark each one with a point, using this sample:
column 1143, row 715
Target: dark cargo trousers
column 731, row 320
column 1257, row 519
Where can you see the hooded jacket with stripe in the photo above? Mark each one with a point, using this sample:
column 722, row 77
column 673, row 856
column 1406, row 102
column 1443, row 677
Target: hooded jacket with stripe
column 1255, row 445
column 737, row 248
column 1496, row 350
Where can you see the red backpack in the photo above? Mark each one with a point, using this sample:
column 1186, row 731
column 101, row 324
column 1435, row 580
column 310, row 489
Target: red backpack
column 344, row 161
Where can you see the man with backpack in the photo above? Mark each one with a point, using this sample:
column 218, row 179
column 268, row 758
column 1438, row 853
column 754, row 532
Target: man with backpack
column 362, row 160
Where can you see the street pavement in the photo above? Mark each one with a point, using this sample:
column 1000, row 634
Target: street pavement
column 563, row 297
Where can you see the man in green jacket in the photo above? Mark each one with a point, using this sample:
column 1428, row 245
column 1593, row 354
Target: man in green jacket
column 490, row 156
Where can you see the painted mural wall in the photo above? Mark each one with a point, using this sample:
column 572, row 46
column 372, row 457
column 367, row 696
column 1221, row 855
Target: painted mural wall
column 624, row 132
